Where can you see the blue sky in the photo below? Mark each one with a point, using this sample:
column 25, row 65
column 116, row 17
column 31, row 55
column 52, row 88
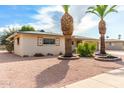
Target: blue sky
column 48, row 18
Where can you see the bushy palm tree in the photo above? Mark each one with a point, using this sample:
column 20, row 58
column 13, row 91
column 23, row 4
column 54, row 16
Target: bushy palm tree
column 101, row 11
column 67, row 28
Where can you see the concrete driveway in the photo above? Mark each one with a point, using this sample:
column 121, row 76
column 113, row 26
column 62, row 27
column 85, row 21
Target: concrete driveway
column 36, row 72
column 111, row 79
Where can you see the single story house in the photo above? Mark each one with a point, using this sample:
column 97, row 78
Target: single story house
column 114, row 44
column 28, row 43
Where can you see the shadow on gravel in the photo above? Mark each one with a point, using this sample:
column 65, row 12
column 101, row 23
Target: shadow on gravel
column 52, row 74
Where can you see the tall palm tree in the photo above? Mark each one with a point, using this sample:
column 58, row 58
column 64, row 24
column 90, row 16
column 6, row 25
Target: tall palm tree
column 67, row 29
column 101, row 11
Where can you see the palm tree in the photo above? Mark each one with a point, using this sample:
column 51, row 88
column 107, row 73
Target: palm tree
column 107, row 37
column 119, row 36
column 67, row 29
column 101, row 11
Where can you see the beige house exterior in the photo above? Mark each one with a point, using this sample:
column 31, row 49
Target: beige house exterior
column 28, row 43
column 114, row 44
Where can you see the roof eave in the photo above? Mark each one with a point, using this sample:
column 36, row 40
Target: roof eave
column 11, row 36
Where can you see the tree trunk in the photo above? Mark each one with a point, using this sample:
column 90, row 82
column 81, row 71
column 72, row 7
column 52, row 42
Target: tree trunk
column 102, row 44
column 67, row 28
column 102, row 31
column 68, row 46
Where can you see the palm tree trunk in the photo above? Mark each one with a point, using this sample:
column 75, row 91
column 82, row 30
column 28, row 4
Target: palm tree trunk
column 102, row 31
column 68, row 46
column 67, row 28
column 102, row 44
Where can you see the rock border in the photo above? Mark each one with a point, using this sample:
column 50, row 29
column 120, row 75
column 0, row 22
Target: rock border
column 68, row 58
column 107, row 59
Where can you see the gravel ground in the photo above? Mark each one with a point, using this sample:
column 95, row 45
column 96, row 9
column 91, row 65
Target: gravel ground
column 36, row 72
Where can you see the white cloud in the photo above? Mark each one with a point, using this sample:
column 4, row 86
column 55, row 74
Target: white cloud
column 16, row 26
column 82, row 22
column 78, row 11
column 45, row 18
column 120, row 8
column 87, row 23
column 46, row 22
column 51, row 9
column 2, row 29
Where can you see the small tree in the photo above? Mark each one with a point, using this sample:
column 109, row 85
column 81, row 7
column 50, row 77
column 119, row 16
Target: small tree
column 27, row 28
column 8, row 44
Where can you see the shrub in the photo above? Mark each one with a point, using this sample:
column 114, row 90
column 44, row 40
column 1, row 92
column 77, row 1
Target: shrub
column 50, row 54
column 60, row 53
column 27, row 28
column 25, row 56
column 38, row 55
column 86, row 49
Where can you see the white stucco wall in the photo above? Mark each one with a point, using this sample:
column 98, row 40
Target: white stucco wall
column 115, row 46
column 18, row 48
column 28, row 46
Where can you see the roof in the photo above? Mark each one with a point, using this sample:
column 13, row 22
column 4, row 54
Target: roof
column 33, row 32
column 114, row 40
column 48, row 33
column 38, row 32
column 82, row 37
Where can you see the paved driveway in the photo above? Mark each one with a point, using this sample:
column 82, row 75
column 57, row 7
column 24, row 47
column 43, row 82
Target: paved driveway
column 30, row 72
column 111, row 79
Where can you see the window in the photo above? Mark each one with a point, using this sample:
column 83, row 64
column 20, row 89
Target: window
column 18, row 40
column 57, row 42
column 40, row 41
column 48, row 41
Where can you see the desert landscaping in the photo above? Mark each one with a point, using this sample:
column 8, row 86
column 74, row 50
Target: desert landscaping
column 37, row 72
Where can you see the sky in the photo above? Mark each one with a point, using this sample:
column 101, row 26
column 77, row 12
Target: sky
column 48, row 17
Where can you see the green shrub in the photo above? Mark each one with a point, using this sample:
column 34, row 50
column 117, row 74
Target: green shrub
column 86, row 49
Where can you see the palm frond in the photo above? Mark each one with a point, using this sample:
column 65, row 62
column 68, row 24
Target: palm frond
column 111, row 9
column 101, row 10
column 90, row 8
column 92, row 12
